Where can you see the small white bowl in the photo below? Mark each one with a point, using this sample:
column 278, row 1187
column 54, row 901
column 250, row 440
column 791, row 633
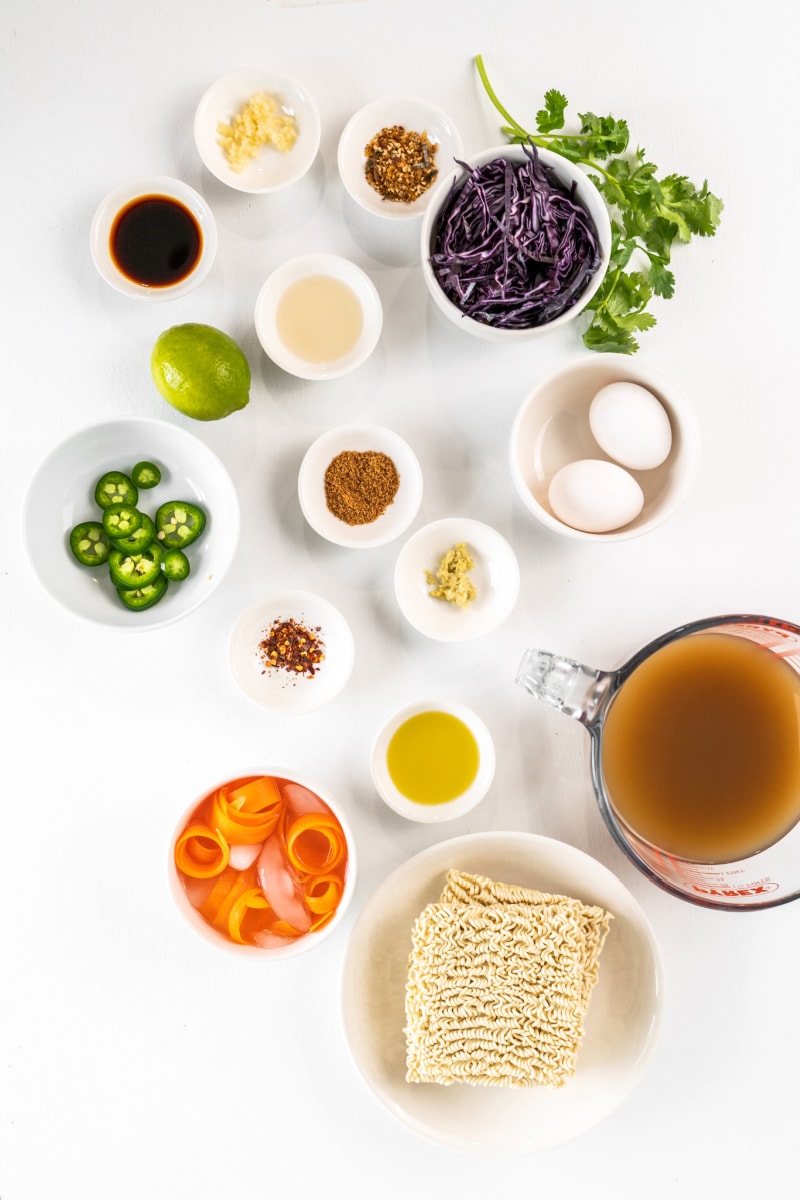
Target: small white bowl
column 152, row 186
column 299, row 945
column 61, row 495
column 394, row 520
column 310, row 266
column 495, row 576
column 274, row 688
column 272, row 169
column 568, row 174
column 433, row 814
column 415, row 115
column 552, row 429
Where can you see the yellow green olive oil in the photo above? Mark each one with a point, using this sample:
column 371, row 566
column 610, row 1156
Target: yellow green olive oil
column 433, row 758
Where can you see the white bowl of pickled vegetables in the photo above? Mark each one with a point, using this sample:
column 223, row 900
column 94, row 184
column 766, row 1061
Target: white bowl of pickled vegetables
column 131, row 523
column 263, row 864
column 514, row 243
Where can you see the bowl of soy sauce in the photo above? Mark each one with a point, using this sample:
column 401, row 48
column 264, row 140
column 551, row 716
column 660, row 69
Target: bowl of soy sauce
column 154, row 238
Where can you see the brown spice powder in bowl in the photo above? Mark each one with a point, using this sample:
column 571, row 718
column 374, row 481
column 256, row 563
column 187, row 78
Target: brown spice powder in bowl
column 360, row 485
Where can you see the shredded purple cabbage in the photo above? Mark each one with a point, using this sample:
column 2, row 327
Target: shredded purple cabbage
column 513, row 248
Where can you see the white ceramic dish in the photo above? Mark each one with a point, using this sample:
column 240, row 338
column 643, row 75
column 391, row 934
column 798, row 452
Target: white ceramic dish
column 621, row 1027
column 394, row 520
column 495, row 576
column 433, row 814
column 112, row 205
column 310, row 266
column 413, row 114
column 272, row 169
column 300, row 945
column 276, row 689
column 61, row 495
column 568, row 174
column 552, row 429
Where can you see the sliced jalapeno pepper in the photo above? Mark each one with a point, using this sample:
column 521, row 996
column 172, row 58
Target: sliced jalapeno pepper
column 175, row 565
column 89, row 543
column 179, row 523
column 120, row 520
column 135, row 570
column 140, row 539
column 139, row 598
column 146, row 474
column 115, row 487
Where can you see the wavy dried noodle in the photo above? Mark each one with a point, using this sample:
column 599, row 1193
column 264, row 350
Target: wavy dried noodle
column 499, row 983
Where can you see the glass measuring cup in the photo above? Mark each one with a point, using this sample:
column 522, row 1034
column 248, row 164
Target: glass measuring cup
column 740, row 875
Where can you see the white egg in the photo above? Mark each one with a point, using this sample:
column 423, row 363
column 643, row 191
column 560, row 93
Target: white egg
column 595, row 496
column 631, row 425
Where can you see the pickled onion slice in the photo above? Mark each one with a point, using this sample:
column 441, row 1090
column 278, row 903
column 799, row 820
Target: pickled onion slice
column 280, row 887
column 201, row 852
column 300, row 800
column 271, row 941
column 315, row 843
column 242, row 857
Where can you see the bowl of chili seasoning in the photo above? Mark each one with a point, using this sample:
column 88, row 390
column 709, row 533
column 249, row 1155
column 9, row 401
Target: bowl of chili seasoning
column 263, row 864
column 360, row 485
column 291, row 652
column 391, row 153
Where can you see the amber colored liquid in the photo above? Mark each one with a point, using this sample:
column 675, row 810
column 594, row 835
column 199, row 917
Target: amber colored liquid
column 319, row 319
column 155, row 241
column 701, row 749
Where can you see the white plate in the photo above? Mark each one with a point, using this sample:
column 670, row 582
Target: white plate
column 309, row 265
column 621, row 1027
column 495, row 576
column 61, row 495
column 311, row 485
column 412, row 114
column 272, row 169
column 277, row 690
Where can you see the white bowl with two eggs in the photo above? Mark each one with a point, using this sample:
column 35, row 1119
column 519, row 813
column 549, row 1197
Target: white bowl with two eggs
column 605, row 448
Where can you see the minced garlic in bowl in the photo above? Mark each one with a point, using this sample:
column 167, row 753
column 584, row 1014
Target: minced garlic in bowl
column 259, row 123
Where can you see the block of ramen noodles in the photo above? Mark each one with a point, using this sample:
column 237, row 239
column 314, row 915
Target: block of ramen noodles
column 499, row 982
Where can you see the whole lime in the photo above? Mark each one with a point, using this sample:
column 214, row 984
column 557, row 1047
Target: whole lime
column 200, row 371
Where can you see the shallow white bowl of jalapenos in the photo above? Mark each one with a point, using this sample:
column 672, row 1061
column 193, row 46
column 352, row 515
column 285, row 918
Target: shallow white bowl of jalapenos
column 131, row 555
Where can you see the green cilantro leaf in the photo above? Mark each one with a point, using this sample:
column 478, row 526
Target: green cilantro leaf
column 648, row 214
column 552, row 115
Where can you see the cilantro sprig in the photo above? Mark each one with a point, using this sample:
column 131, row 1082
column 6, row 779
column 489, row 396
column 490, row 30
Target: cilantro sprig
column 648, row 214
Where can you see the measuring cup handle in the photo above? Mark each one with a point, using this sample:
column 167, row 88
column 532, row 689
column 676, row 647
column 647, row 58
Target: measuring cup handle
column 578, row 691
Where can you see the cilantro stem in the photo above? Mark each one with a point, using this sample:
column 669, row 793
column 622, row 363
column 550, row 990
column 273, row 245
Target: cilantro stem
column 493, row 97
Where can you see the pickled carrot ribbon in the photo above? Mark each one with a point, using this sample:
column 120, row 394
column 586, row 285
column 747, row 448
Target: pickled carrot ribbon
column 315, row 843
column 247, row 814
column 253, row 898
column 201, row 852
column 323, row 893
column 220, row 900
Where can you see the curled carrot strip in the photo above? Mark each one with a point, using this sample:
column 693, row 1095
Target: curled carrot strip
column 323, row 893
column 201, row 852
column 315, row 843
column 251, row 899
column 222, row 897
column 247, row 814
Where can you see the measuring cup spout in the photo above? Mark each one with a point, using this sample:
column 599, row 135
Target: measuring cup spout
column 578, row 691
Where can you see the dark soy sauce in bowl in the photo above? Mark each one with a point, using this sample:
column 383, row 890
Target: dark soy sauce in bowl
column 155, row 241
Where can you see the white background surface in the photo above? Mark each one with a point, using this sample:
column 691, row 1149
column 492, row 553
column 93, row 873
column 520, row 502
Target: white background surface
column 134, row 1061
